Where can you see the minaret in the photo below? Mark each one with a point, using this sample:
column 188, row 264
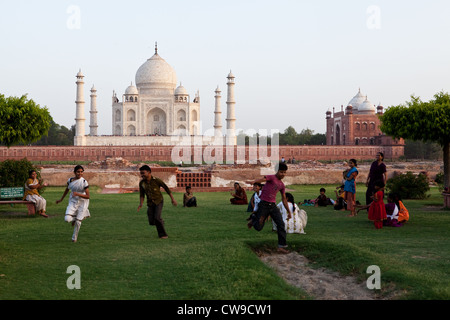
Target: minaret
column 231, row 135
column 80, row 138
column 217, row 114
column 93, row 126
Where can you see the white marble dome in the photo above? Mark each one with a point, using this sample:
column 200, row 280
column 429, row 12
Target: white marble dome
column 366, row 107
column 131, row 90
column 156, row 73
column 357, row 100
column 181, row 91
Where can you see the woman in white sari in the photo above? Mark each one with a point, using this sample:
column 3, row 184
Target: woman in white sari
column 78, row 207
column 32, row 187
column 299, row 218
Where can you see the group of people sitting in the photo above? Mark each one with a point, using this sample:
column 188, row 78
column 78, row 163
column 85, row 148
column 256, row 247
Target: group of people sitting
column 323, row 200
column 396, row 212
column 393, row 213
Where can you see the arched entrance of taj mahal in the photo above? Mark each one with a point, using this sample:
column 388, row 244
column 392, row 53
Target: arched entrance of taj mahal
column 156, row 122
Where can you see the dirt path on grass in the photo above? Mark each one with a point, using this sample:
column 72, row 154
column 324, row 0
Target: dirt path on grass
column 320, row 284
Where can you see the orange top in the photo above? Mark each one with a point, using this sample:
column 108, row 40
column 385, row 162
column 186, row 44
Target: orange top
column 28, row 190
column 403, row 214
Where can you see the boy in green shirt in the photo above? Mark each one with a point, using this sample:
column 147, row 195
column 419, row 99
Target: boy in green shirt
column 150, row 186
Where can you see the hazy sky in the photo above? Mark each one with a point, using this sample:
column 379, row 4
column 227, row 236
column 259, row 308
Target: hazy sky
column 293, row 60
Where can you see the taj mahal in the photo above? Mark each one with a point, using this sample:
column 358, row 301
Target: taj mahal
column 154, row 111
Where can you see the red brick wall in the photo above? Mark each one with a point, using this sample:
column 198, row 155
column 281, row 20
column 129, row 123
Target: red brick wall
column 164, row 153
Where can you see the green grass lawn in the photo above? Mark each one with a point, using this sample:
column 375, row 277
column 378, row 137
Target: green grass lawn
column 208, row 254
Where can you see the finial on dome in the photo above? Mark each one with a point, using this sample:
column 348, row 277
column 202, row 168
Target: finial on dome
column 156, row 47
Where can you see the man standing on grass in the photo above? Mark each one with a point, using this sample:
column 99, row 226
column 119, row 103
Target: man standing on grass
column 268, row 207
column 150, row 186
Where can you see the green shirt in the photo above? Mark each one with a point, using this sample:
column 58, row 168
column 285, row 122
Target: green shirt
column 152, row 190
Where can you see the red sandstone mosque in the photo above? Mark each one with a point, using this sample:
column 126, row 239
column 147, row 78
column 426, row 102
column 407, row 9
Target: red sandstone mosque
column 358, row 125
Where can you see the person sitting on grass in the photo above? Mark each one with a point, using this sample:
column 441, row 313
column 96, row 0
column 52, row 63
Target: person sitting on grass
column 189, row 199
column 322, row 200
column 403, row 213
column 340, row 203
column 299, row 218
column 254, row 200
column 391, row 212
column 239, row 195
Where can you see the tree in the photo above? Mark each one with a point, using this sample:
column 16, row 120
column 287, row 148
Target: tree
column 22, row 120
column 305, row 137
column 422, row 150
column 289, row 137
column 57, row 135
column 14, row 173
column 318, row 139
column 424, row 121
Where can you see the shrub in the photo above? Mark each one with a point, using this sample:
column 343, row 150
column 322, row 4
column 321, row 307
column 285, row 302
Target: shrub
column 14, row 173
column 409, row 185
column 440, row 180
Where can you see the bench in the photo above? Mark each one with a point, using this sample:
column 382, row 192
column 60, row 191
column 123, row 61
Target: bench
column 12, row 194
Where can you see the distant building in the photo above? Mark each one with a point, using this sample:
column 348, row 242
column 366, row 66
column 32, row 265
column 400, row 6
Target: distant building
column 154, row 111
column 358, row 124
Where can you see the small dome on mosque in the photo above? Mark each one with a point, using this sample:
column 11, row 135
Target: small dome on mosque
column 367, row 107
column 180, row 90
column 230, row 75
column 356, row 100
column 131, row 89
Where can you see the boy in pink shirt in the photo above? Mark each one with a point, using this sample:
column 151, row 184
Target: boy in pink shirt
column 267, row 206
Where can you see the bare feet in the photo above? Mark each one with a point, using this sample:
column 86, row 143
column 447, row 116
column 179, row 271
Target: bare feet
column 352, row 214
column 163, row 237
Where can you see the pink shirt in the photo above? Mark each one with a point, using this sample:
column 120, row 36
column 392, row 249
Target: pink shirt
column 271, row 187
